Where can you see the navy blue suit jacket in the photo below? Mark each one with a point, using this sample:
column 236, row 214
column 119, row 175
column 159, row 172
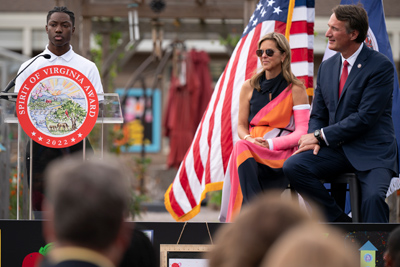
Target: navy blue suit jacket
column 360, row 120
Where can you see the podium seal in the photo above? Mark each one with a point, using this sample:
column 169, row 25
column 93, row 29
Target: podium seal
column 57, row 106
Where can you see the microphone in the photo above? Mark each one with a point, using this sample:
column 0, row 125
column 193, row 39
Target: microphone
column 11, row 84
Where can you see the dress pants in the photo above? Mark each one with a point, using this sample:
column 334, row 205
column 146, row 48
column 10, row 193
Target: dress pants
column 304, row 171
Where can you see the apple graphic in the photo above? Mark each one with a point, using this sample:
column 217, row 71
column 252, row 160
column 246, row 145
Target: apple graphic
column 32, row 259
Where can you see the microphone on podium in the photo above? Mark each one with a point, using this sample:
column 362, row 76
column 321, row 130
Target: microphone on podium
column 11, row 84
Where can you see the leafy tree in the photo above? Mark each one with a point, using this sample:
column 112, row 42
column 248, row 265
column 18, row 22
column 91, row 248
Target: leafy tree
column 72, row 111
column 97, row 53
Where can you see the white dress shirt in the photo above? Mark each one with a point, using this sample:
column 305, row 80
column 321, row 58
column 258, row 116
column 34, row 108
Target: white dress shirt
column 69, row 59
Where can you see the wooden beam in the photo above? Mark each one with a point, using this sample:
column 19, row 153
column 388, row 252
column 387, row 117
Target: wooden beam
column 106, row 40
column 107, row 63
column 128, row 55
column 201, row 2
column 189, row 9
column 192, row 30
column 248, row 9
column 86, row 30
column 75, row 6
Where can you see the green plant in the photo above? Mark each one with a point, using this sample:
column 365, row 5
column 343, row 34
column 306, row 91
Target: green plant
column 140, row 170
column 231, row 40
column 215, row 198
column 139, row 196
column 97, row 53
column 135, row 207
column 13, row 195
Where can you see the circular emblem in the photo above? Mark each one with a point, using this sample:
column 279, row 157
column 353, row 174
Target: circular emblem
column 57, row 106
column 371, row 41
column 368, row 257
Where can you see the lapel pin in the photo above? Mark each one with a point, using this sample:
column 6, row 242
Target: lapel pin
column 359, row 66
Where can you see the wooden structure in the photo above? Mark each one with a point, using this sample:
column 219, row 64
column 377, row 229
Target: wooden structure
column 217, row 16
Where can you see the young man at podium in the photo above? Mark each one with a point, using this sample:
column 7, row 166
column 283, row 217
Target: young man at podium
column 60, row 28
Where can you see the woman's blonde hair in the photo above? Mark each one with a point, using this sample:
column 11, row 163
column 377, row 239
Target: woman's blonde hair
column 283, row 46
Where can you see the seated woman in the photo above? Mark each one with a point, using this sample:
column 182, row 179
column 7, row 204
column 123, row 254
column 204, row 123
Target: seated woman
column 273, row 114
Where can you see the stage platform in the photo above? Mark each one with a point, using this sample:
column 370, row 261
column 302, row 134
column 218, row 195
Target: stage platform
column 19, row 238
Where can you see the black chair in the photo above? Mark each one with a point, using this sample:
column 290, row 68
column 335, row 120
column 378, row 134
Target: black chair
column 354, row 189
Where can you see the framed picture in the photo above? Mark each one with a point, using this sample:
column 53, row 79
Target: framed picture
column 142, row 120
column 184, row 255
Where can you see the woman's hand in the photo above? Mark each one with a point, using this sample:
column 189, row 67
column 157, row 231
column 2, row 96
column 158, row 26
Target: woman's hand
column 258, row 141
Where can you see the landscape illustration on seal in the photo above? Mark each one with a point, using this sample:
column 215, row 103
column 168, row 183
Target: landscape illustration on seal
column 57, row 106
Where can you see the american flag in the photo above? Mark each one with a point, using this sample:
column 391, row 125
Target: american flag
column 204, row 165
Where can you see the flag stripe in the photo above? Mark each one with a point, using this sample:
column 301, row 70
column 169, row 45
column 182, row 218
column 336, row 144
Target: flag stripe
column 280, row 27
column 298, row 41
column 198, row 164
column 301, row 27
column 300, row 14
column 226, row 134
column 302, row 54
column 307, row 82
column 210, row 132
column 175, row 206
column 252, row 59
column 187, row 189
column 301, row 68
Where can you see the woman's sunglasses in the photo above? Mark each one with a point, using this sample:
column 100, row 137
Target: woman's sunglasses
column 268, row 52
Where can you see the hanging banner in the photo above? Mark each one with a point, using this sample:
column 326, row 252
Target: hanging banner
column 57, row 106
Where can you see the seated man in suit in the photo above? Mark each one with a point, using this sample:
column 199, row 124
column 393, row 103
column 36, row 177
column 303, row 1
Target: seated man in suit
column 351, row 127
column 85, row 207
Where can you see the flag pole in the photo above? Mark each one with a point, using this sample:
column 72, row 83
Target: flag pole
column 289, row 19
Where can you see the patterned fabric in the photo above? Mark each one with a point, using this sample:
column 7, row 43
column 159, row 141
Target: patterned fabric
column 275, row 119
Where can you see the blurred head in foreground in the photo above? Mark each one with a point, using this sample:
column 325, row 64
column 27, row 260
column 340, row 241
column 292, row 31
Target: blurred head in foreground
column 87, row 203
column 257, row 227
column 312, row 245
column 392, row 254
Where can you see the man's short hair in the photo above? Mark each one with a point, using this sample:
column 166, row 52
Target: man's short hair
column 89, row 199
column 356, row 18
column 62, row 9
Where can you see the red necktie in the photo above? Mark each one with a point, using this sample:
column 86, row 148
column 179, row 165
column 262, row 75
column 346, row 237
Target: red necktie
column 343, row 77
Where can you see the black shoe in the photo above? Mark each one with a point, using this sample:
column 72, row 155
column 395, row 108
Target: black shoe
column 343, row 218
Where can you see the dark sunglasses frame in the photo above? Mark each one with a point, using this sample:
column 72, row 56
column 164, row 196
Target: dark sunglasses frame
column 268, row 52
